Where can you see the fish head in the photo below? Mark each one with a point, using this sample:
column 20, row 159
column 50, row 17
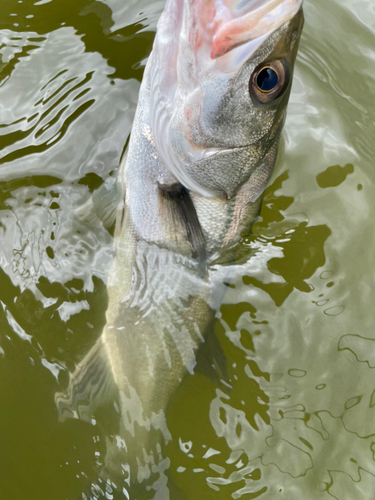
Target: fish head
column 219, row 80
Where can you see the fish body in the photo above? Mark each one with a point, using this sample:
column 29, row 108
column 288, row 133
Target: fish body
column 203, row 145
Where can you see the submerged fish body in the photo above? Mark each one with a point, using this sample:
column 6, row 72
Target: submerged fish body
column 204, row 142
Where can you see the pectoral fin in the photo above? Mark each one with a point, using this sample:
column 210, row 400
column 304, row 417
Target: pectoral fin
column 90, row 386
column 211, row 360
column 103, row 204
column 182, row 211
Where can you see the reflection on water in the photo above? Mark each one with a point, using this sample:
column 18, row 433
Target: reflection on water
column 281, row 403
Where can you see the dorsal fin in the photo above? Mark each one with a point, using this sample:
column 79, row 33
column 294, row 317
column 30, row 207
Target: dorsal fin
column 183, row 210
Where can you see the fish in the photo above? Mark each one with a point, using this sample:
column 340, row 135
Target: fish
column 211, row 108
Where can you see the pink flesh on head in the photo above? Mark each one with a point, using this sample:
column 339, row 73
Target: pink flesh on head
column 252, row 23
column 226, row 24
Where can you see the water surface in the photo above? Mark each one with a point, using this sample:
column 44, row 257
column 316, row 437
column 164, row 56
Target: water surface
column 295, row 417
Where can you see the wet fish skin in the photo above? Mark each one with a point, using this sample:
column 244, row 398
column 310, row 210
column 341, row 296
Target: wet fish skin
column 156, row 292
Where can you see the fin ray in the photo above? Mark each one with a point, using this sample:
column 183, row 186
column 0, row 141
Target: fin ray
column 90, row 386
column 102, row 205
column 182, row 206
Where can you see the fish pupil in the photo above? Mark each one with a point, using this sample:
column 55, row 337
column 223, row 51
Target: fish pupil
column 267, row 79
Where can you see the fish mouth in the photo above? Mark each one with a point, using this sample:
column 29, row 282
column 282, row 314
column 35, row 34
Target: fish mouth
column 239, row 22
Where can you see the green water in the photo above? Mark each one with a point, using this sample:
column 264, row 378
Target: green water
column 295, row 418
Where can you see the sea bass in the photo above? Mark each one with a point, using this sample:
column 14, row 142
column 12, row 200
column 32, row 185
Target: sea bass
column 203, row 146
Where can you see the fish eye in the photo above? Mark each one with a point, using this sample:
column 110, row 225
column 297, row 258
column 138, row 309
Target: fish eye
column 268, row 81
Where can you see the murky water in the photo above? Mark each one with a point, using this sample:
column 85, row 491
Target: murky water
column 295, row 417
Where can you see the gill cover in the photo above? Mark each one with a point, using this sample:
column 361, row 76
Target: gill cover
column 200, row 47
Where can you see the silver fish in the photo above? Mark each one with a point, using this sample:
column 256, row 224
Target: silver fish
column 203, row 146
